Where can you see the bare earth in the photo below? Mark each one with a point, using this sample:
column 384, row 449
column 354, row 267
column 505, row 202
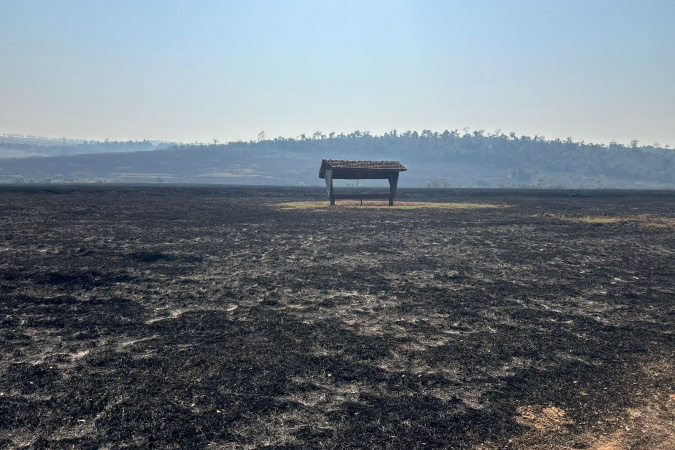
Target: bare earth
column 224, row 317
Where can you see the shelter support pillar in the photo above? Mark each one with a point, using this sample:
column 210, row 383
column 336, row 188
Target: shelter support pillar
column 393, row 184
column 329, row 186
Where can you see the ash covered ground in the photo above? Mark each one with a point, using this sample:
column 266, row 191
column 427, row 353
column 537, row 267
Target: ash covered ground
column 225, row 317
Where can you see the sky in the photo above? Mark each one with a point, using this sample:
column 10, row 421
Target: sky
column 593, row 70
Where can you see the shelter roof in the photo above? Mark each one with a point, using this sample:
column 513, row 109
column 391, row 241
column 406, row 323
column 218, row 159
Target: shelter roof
column 360, row 167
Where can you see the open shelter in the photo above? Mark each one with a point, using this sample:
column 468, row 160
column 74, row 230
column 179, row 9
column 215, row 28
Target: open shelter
column 338, row 169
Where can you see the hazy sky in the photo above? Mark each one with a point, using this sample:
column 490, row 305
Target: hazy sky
column 594, row 70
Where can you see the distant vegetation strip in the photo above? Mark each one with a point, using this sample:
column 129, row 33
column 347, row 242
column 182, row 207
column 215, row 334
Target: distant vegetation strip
column 435, row 160
column 381, row 205
column 30, row 147
column 644, row 221
column 526, row 155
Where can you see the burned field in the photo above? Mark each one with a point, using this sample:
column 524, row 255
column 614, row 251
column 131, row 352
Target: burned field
column 205, row 317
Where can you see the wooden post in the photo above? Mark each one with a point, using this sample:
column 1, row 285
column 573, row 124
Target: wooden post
column 329, row 185
column 393, row 184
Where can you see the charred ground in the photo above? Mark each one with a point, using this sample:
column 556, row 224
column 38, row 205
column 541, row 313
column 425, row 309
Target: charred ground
column 194, row 317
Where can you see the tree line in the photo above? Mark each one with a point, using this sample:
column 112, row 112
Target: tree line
column 524, row 154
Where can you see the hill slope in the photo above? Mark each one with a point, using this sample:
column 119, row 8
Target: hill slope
column 433, row 160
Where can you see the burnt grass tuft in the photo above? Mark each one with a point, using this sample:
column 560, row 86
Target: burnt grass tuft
column 197, row 317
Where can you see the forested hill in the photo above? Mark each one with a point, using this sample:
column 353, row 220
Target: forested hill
column 526, row 155
column 448, row 159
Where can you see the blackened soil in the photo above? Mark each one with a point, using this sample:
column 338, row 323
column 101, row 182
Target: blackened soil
column 208, row 317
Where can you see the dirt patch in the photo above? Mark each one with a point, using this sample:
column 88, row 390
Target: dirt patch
column 341, row 204
column 644, row 221
column 542, row 418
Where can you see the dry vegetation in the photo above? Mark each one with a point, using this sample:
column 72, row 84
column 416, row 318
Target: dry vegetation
column 236, row 318
column 349, row 204
column 643, row 220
